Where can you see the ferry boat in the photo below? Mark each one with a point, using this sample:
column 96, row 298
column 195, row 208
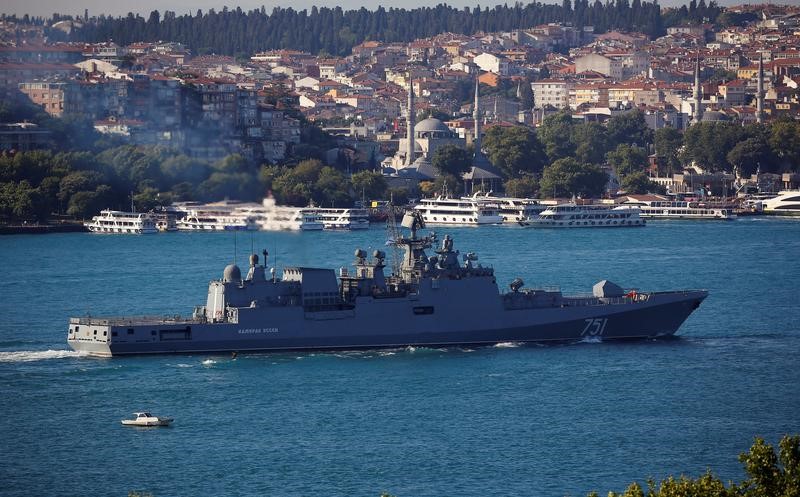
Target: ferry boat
column 212, row 221
column 572, row 215
column 343, row 219
column 272, row 217
column 458, row 211
column 512, row 209
column 165, row 221
column 667, row 209
column 122, row 222
column 787, row 203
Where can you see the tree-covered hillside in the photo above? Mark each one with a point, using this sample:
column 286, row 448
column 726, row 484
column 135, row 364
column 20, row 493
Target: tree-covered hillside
column 336, row 31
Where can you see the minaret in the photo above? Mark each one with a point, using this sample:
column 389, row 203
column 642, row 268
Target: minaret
column 760, row 90
column 410, row 122
column 698, row 93
column 476, row 114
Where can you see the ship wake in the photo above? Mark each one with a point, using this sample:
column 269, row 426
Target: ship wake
column 38, row 355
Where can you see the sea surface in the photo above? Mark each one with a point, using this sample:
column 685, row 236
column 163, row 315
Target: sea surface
column 495, row 421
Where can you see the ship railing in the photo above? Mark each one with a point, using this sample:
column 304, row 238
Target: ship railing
column 581, row 300
column 131, row 321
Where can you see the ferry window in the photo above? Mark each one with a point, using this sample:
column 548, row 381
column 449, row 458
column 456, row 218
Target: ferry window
column 105, row 333
column 77, row 328
column 95, row 332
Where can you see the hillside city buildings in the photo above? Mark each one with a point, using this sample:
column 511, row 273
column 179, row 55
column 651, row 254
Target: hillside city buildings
column 210, row 106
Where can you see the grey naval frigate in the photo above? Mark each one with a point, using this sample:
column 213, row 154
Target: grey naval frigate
column 441, row 300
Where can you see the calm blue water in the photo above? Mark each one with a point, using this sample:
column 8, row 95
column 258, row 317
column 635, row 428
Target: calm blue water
column 553, row 421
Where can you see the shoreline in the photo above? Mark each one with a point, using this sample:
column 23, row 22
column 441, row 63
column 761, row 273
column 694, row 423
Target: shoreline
column 41, row 229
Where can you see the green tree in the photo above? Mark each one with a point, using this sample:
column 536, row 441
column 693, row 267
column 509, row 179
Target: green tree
column 452, row 159
column 667, row 142
column 638, row 183
column 627, row 159
column 181, row 168
column 85, row 204
column 771, row 474
column 591, row 142
column 526, row 94
column 785, row 141
column 444, row 184
column 514, row 150
column 556, row 136
column 522, row 187
column 331, row 189
column 233, row 163
column 17, row 200
column 707, row 144
column 568, row 177
column 750, row 155
column 369, row 184
column 629, row 128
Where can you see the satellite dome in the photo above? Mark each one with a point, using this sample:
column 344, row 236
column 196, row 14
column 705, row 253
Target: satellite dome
column 232, row 274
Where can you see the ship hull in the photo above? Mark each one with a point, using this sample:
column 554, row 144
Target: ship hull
column 368, row 326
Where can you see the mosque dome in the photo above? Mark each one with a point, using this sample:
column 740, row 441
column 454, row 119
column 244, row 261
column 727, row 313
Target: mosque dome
column 431, row 125
column 712, row 116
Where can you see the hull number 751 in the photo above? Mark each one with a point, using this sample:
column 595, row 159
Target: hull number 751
column 594, row 327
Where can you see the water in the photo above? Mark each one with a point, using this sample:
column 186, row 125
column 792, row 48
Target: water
column 504, row 420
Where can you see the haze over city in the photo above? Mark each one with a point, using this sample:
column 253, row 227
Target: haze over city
column 96, row 7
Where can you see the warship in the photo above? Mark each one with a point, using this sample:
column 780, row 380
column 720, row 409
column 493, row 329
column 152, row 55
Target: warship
column 442, row 300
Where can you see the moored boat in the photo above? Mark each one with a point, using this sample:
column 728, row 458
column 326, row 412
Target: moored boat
column 342, row 219
column 681, row 209
column 121, row 222
column 458, row 211
column 786, row 203
column 511, row 209
column 571, row 215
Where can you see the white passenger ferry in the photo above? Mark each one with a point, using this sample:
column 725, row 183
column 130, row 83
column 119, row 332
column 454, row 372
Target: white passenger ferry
column 667, row 209
column 343, row 219
column 786, row 203
column 512, row 209
column 586, row 216
column 463, row 211
column 122, row 222
column 211, row 221
column 272, row 217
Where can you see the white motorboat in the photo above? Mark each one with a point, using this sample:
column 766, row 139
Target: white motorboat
column 786, row 203
column 144, row 418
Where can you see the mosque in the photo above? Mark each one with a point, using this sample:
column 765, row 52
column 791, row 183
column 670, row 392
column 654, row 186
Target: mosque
column 415, row 152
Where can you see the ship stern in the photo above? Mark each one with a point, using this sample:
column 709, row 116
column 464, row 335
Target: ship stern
column 89, row 337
